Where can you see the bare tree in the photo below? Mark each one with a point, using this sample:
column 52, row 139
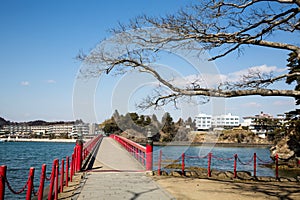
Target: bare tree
column 223, row 26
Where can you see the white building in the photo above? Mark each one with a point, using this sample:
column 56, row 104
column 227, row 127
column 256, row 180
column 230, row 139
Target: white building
column 60, row 129
column 228, row 120
column 18, row 129
column 259, row 123
column 203, row 121
column 80, row 129
column 39, row 130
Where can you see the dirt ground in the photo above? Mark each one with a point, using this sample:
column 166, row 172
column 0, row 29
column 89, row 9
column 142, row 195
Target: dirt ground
column 183, row 188
column 192, row 188
column 73, row 190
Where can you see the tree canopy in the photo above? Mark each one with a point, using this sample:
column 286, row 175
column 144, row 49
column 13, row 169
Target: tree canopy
column 220, row 27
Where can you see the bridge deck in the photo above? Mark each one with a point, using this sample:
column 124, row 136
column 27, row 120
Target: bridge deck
column 112, row 176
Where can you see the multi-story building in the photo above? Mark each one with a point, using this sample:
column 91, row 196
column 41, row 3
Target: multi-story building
column 203, row 121
column 39, row 130
column 80, row 129
column 53, row 130
column 263, row 122
column 17, row 129
column 206, row 122
column 60, row 129
column 228, row 120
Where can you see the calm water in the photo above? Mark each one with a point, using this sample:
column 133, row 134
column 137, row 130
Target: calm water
column 223, row 158
column 20, row 156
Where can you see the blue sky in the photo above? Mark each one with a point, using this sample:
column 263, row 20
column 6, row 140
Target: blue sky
column 40, row 40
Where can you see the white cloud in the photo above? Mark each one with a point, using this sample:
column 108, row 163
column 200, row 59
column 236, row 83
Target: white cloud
column 213, row 80
column 25, row 83
column 252, row 105
column 205, row 80
column 236, row 76
column 287, row 102
column 50, row 81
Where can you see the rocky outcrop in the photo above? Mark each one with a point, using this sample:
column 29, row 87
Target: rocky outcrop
column 288, row 151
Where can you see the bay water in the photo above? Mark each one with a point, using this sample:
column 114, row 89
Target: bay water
column 20, row 156
column 222, row 158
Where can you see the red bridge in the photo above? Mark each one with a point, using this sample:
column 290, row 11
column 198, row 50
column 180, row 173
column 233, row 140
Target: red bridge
column 113, row 168
column 108, row 167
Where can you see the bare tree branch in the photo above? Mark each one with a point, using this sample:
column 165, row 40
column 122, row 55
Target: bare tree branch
column 220, row 25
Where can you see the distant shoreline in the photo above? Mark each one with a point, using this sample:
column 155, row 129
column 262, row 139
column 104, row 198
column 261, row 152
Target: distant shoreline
column 38, row 140
column 218, row 144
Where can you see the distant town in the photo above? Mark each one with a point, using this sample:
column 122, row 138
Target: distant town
column 42, row 129
column 259, row 124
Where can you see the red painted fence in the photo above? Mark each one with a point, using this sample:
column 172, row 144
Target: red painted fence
column 141, row 153
column 210, row 156
column 80, row 153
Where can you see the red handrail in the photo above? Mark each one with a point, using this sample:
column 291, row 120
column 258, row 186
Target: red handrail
column 141, row 153
column 55, row 186
column 121, row 139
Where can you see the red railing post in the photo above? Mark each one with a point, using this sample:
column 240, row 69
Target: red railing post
column 276, row 167
column 234, row 165
column 52, row 179
column 208, row 164
column 79, row 145
column 75, row 158
column 149, row 151
column 159, row 163
column 30, row 183
column 67, row 171
column 42, row 182
column 56, row 181
column 2, row 180
column 254, row 165
column 137, row 153
column 182, row 164
column 62, row 175
column 72, row 168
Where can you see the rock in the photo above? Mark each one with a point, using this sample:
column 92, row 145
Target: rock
column 291, row 179
column 191, row 174
column 287, row 150
column 150, row 173
column 215, row 173
column 175, row 173
column 229, row 174
column 164, row 173
column 244, row 175
column 222, row 175
column 201, row 174
column 264, row 178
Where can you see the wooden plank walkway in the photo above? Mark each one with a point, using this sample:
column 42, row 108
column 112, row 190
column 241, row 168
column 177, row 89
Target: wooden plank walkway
column 117, row 175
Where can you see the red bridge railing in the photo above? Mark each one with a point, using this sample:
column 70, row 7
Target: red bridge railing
column 58, row 178
column 235, row 159
column 141, row 153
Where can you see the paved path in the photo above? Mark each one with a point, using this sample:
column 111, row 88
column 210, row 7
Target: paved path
column 110, row 177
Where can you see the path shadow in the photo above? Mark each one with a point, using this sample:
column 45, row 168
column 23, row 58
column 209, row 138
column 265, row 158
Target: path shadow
column 88, row 165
